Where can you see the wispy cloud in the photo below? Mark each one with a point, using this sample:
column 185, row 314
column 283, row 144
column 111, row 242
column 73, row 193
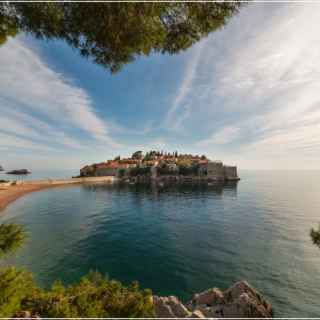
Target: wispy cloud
column 255, row 87
column 224, row 136
column 179, row 109
column 39, row 103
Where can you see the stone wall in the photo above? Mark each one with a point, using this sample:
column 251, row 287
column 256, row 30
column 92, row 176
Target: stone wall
column 230, row 172
column 215, row 171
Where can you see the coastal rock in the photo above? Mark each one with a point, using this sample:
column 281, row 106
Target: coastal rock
column 19, row 171
column 169, row 307
column 209, row 297
column 197, row 314
column 239, row 301
column 25, row 315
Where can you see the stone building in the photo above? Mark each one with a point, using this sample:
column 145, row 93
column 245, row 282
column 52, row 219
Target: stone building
column 215, row 171
column 230, row 173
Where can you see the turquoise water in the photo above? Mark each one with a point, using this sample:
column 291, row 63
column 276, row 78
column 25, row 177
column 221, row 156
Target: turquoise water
column 179, row 241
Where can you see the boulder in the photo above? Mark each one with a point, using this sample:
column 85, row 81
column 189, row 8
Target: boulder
column 239, row 301
column 25, row 315
column 209, row 297
column 169, row 307
column 197, row 314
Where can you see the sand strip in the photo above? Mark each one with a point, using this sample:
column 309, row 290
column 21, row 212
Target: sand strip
column 10, row 193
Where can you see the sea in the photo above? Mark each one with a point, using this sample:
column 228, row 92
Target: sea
column 180, row 240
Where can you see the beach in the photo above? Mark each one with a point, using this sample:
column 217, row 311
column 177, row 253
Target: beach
column 10, row 193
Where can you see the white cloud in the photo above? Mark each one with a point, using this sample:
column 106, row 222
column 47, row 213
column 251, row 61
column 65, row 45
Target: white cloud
column 256, row 85
column 224, row 136
column 179, row 109
column 29, row 84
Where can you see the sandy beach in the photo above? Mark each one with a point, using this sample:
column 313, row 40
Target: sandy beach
column 9, row 193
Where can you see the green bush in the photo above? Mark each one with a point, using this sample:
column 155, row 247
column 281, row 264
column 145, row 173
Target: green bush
column 140, row 171
column 93, row 296
column 12, row 237
column 15, row 285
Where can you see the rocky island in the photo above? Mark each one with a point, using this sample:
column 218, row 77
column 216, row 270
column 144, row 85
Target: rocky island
column 1, row 168
column 162, row 167
column 19, row 172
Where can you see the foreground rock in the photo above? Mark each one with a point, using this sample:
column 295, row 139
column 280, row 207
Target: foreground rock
column 25, row 315
column 239, row 301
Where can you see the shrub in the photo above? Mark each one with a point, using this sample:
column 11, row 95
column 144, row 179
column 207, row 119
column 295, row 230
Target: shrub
column 12, row 237
column 93, row 296
column 15, row 285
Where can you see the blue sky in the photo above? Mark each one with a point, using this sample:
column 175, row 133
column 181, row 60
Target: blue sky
column 247, row 95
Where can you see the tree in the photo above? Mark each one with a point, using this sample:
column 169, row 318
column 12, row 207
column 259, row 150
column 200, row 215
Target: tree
column 114, row 34
column 12, row 236
column 137, row 155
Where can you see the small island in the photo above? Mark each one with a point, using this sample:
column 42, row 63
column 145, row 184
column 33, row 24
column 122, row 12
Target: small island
column 163, row 167
column 1, row 168
column 19, row 172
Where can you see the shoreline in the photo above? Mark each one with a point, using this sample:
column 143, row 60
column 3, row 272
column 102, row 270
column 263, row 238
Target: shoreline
column 12, row 193
column 18, row 189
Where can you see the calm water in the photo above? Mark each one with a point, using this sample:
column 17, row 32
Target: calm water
column 39, row 174
column 181, row 241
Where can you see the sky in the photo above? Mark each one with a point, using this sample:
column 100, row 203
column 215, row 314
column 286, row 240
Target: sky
column 248, row 95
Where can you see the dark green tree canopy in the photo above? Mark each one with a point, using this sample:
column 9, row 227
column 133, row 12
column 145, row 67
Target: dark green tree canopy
column 12, row 236
column 113, row 34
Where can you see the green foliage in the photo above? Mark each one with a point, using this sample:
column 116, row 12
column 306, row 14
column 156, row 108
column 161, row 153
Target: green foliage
column 164, row 170
column 137, row 155
column 12, row 237
column 315, row 236
column 114, row 34
column 121, row 172
column 93, row 296
column 15, row 285
column 140, row 171
column 188, row 170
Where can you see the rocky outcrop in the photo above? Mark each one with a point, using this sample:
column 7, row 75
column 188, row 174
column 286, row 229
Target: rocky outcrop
column 25, row 315
column 19, row 171
column 239, row 301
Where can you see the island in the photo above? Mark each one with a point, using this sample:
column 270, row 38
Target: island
column 1, row 168
column 19, row 172
column 163, row 167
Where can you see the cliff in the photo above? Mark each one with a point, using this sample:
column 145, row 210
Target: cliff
column 239, row 301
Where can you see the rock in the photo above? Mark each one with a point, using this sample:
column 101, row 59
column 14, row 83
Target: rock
column 25, row 315
column 209, row 297
column 19, row 171
column 169, row 307
column 239, row 301
column 197, row 314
